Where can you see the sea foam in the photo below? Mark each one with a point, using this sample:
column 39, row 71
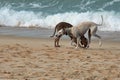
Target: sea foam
column 10, row 17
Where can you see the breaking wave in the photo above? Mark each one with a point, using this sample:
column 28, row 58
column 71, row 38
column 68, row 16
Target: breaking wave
column 47, row 14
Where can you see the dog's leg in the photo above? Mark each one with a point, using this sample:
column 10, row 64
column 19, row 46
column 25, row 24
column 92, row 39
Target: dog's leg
column 78, row 41
column 73, row 43
column 58, row 42
column 89, row 37
column 55, row 42
column 57, row 38
column 100, row 42
column 93, row 32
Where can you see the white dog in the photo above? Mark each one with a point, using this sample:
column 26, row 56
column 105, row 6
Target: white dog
column 81, row 29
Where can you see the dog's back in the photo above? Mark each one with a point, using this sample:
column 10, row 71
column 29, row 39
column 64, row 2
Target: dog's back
column 61, row 25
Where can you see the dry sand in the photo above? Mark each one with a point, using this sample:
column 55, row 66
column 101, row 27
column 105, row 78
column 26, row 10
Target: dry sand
column 37, row 59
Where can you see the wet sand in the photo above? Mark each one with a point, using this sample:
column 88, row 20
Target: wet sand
column 36, row 58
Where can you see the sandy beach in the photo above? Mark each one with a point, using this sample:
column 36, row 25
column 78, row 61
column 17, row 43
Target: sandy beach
column 27, row 51
column 36, row 58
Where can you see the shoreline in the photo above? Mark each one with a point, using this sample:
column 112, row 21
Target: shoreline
column 64, row 42
column 38, row 32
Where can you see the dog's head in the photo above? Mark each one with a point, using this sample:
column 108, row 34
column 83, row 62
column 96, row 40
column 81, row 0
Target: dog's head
column 84, row 41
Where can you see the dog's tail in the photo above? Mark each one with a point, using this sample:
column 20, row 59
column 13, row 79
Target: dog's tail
column 101, row 22
column 54, row 32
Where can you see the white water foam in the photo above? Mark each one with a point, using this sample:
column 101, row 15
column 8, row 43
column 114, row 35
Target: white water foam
column 11, row 17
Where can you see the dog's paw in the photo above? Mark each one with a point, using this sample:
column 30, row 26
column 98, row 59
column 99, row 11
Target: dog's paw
column 76, row 47
column 100, row 44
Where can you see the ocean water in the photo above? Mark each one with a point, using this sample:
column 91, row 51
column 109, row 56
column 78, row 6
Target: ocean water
column 48, row 13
